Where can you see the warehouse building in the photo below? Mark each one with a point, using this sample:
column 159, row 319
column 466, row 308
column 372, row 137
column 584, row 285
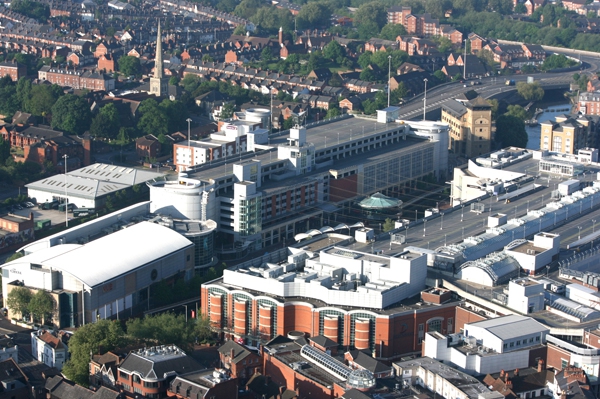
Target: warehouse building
column 104, row 277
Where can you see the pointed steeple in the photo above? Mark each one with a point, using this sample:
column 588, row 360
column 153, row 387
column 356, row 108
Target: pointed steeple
column 158, row 61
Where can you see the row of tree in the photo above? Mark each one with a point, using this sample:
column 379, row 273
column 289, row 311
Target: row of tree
column 107, row 335
column 36, row 307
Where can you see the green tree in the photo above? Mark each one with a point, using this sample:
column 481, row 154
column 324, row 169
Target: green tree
column 368, row 75
column 530, row 91
column 32, row 9
column 373, row 12
column 557, row 61
column 42, row 100
column 271, row 19
column 437, row 8
column 4, row 150
column 441, row 76
column 520, row 9
column 444, row 44
column 364, row 60
column 266, row 55
column 332, row 113
column 14, row 256
column 106, row 123
column 510, row 131
column 247, row 8
column 162, row 329
column 176, row 114
column 24, row 93
column 129, row 65
column 495, row 105
column 174, row 80
column 334, row 51
column 153, row 119
column 42, row 306
column 18, row 300
column 205, row 58
column 517, row 111
column 72, row 114
column 94, row 338
column 202, row 329
column 313, row 15
column 239, row 30
column 392, row 31
column 227, row 111
column 388, row 225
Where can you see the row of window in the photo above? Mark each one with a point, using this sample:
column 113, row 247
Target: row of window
column 521, row 342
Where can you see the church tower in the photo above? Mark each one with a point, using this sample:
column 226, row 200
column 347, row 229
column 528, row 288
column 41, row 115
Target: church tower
column 158, row 84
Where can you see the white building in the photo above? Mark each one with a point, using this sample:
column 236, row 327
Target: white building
column 8, row 349
column 534, row 255
column 337, row 276
column 106, row 276
column 89, row 186
column 526, row 295
column 446, row 381
column 488, row 346
column 48, row 349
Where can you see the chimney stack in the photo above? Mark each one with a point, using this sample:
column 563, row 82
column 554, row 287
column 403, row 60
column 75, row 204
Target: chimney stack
column 563, row 395
column 231, row 354
column 502, row 373
column 509, row 384
column 516, row 372
column 540, row 367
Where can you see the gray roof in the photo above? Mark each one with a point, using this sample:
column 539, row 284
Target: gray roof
column 454, row 108
column 94, row 181
column 158, row 367
column 511, row 326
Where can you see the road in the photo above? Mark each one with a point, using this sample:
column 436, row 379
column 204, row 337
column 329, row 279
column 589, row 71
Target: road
column 490, row 86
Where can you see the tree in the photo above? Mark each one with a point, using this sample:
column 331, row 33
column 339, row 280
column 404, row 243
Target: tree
column 437, row 8
column 129, row 65
column 441, row 76
column 388, row 225
column 42, row 99
column 495, row 105
column 14, row 256
column 313, row 15
column 271, row 19
column 42, row 306
column 530, row 91
column 373, row 12
column 334, row 52
column 520, row 9
column 176, row 114
column 227, row 111
column 557, row 61
column 365, row 59
column 332, row 113
column 266, row 55
column 99, row 337
column 202, row 329
column 18, row 300
column 368, row 75
column 392, row 31
column 4, row 150
column 444, row 44
column 72, row 114
column 162, row 329
column 517, row 111
column 247, row 8
column 153, row 119
column 510, row 131
column 32, row 9
column 106, row 123
column 174, row 80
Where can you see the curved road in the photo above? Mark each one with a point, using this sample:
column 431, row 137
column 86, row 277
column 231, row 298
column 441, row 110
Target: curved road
column 490, row 86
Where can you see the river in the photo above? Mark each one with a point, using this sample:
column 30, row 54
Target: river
column 550, row 113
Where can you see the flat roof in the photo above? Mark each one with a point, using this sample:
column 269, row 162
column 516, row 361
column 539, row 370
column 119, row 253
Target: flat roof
column 511, row 326
column 108, row 257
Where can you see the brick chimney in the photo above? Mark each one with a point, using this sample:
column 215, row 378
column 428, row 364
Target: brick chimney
column 231, row 355
column 563, row 395
column 516, row 373
column 540, row 367
column 509, row 384
column 502, row 373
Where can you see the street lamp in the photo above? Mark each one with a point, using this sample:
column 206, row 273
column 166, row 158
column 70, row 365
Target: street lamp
column 189, row 120
column 389, row 76
column 528, row 206
column 65, row 157
column 594, row 225
column 424, row 227
column 465, row 62
column 463, row 233
column 425, row 99
column 462, row 211
column 547, row 270
column 579, row 236
column 442, row 225
column 186, row 314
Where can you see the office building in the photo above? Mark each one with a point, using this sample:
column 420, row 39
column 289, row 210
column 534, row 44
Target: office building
column 470, row 126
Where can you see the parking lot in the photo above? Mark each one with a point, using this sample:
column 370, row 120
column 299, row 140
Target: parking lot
column 56, row 217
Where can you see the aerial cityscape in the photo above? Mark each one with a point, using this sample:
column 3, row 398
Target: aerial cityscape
column 360, row 199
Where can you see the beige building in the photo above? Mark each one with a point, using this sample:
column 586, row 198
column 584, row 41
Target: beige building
column 470, row 126
column 566, row 133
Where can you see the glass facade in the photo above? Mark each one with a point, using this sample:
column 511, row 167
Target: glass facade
column 250, row 216
column 340, row 316
column 353, row 317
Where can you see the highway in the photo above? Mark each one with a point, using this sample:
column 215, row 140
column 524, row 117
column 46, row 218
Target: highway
column 489, row 87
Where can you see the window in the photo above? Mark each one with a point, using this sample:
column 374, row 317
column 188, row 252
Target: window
column 518, row 342
column 123, row 375
column 138, row 390
column 557, row 144
column 435, row 325
column 136, row 378
column 150, row 384
column 512, row 344
column 563, row 363
column 537, row 339
column 127, row 387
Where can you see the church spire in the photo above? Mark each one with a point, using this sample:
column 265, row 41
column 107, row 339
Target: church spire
column 158, row 62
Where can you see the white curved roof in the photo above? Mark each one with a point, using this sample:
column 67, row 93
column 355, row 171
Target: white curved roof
column 108, row 257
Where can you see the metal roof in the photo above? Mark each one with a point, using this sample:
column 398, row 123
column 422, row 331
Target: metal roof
column 121, row 252
column 511, row 326
column 94, row 181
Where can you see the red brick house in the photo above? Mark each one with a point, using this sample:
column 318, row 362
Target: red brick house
column 208, row 383
column 240, row 361
column 13, row 69
column 106, row 63
column 147, row 147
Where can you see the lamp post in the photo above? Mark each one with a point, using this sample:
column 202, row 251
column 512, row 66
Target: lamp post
column 527, row 205
column 389, row 77
column 579, row 236
column 465, row 62
column 442, row 224
column 186, row 314
column 65, row 157
column 189, row 120
column 594, row 225
column 547, row 270
column 463, row 233
column 462, row 212
column 424, row 227
column 425, row 99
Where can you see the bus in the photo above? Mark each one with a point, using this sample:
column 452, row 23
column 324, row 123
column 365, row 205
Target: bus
column 83, row 211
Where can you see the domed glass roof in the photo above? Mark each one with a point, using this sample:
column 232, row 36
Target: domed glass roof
column 361, row 379
column 379, row 201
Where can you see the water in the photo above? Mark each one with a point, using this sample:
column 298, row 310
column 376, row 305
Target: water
column 534, row 132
